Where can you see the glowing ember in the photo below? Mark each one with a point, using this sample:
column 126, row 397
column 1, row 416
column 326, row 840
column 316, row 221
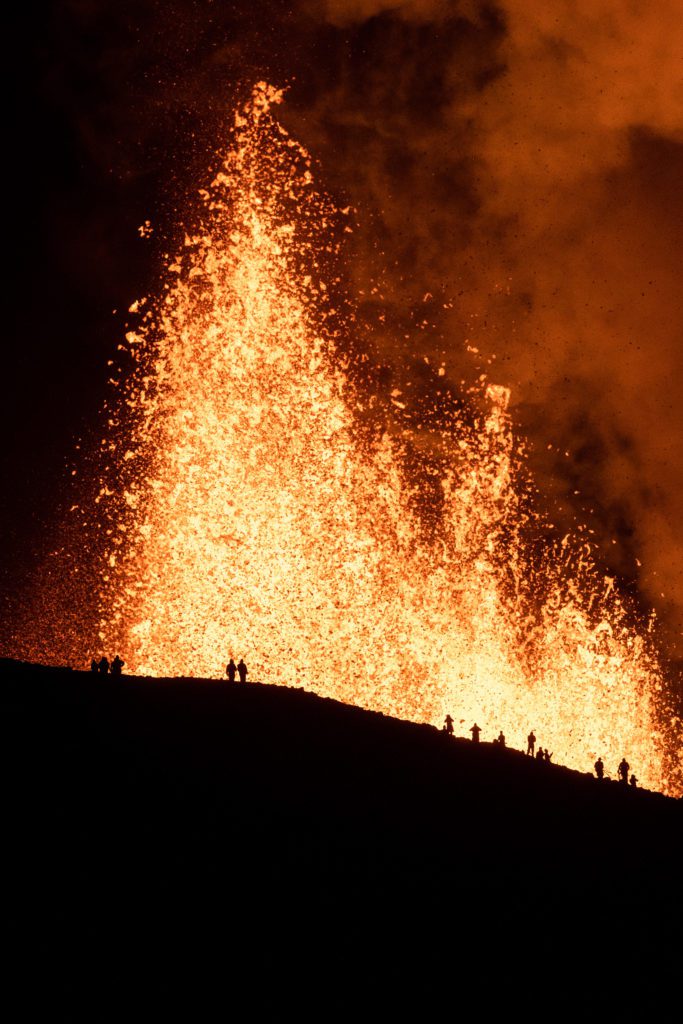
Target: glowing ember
column 258, row 520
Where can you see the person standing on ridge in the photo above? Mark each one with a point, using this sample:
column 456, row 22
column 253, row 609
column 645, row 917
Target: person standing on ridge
column 231, row 671
column 501, row 739
column 599, row 768
column 448, row 725
column 94, row 666
column 104, row 665
column 623, row 770
column 242, row 670
column 633, row 781
column 116, row 666
column 530, row 744
column 475, row 730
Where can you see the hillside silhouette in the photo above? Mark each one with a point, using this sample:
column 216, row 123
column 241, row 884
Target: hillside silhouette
column 170, row 839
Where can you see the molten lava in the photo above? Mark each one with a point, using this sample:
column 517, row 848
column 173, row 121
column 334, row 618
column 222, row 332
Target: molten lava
column 258, row 520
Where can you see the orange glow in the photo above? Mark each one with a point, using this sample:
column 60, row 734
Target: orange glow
column 259, row 521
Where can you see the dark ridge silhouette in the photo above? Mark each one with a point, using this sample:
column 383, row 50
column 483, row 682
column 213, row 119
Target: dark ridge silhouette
column 178, row 840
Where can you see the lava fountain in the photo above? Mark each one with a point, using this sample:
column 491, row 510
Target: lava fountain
column 253, row 517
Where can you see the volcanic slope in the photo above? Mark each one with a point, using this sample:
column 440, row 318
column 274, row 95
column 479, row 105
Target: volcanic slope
column 198, row 839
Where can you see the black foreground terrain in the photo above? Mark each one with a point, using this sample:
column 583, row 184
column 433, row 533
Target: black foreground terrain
column 255, row 852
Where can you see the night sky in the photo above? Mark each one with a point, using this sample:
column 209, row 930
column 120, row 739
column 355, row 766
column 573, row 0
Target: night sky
column 519, row 162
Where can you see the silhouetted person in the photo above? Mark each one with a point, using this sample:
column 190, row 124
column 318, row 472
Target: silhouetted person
column 623, row 770
column 530, row 744
column 501, row 739
column 599, row 768
column 448, row 725
column 633, row 781
column 104, row 665
column 540, row 756
column 231, row 671
column 547, row 756
column 116, row 666
column 242, row 670
column 94, row 666
column 475, row 730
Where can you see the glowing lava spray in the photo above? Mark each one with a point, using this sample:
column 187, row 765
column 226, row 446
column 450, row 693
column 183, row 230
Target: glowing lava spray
column 258, row 520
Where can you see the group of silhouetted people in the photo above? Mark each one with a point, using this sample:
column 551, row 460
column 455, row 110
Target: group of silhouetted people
column 622, row 771
column 545, row 755
column 239, row 669
column 104, row 667
column 540, row 754
column 232, row 670
column 448, row 728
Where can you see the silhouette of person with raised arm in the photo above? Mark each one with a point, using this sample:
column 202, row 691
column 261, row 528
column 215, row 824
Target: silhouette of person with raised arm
column 530, row 744
column 448, row 725
column 501, row 739
column 242, row 670
column 633, row 781
column 623, row 770
column 599, row 768
column 475, row 730
column 231, row 671
column 94, row 666
column 116, row 666
column 104, row 665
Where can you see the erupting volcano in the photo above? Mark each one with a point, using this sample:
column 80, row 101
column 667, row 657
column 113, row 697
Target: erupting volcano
column 260, row 507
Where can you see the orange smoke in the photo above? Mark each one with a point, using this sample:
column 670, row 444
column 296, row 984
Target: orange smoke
column 526, row 157
column 259, row 521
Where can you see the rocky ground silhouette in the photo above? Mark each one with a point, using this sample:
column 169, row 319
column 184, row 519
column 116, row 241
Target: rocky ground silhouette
column 188, row 842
